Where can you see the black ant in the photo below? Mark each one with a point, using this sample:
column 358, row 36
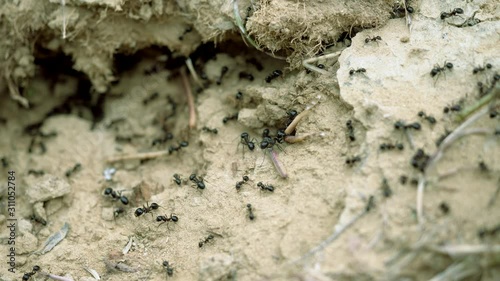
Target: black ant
column 251, row 216
column 165, row 219
column 245, row 75
column 444, row 207
column 429, row 118
column 390, row 146
column 245, row 140
column 272, row 76
column 240, row 183
column 452, row 13
column 116, row 195
column 162, row 140
column 351, row 161
column 28, row 275
column 173, row 148
column 255, row 63
column 481, row 68
column 239, row 95
column 146, row 209
column 398, row 11
column 420, row 160
column 403, row 179
column 223, row 71
column 177, row 179
column 38, row 220
column 209, row 237
column 386, row 189
column 321, row 66
column 73, row 170
column 438, row 69
column 36, row 173
column 268, row 187
column 5, row 163
column 402, row 125
column 265, row 133
column 198, row 181
column 373, row 39
column 350, row 129
column 209, row 130
column 118, row 211
column 267, row 142
column 230, row 117
column 359, row 70
column 186, row 31
column 168, row 268
column 151, row 98
column 455, row 108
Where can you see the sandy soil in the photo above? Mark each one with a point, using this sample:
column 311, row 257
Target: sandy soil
column 297, row 230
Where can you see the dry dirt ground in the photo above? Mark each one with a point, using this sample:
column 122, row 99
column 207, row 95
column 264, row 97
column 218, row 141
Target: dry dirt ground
column 328, row 220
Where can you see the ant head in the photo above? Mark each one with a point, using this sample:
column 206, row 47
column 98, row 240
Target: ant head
column 108, row 191
column 449, row 65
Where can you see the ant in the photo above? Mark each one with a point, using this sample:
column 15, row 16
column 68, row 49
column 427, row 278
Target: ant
column 481, row 68
column 452, row 13
column 246, row 141
column 245, row 75
column 438, row 69
column 36, row 172
column 5, row 163
column 373, row 39
column 198, row 181
column 146, row 209
column 455, row 108
column 420, row 160
column 265, row 133
column 168, row 268
column 386, row 189
column 186, row 31
column 444, row 207
column 209, row 237
column 116, row 195
column 272, row 76
column 401, row 125
column 230, row 117
column 118, row 211
column 161, row 140
column 223, row 71
column 173, row 148
column 208, row 130
column 255, row 63
column 429, row 118
column 75, row 169
column 398, row 11
column 240, row 183
column 251, row 216
column 28, row 275
column 267, row 142
column 390, row 146
column 268, row 187
column 165, row 219
column 351, row 161
column 359, row 70
column 350, row 129
column 239, row 95
column 177, row 179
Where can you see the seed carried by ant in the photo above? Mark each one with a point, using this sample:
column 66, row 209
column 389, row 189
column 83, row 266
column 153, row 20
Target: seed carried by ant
column 146, row 209
column 116, row 195
column 265, row 187
column 452, row 13
column 198, row 181
column 272, row 76
column 373, row 39
column 359, row 70
column 209, row 130
column 207, row 239
column 251, row 216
